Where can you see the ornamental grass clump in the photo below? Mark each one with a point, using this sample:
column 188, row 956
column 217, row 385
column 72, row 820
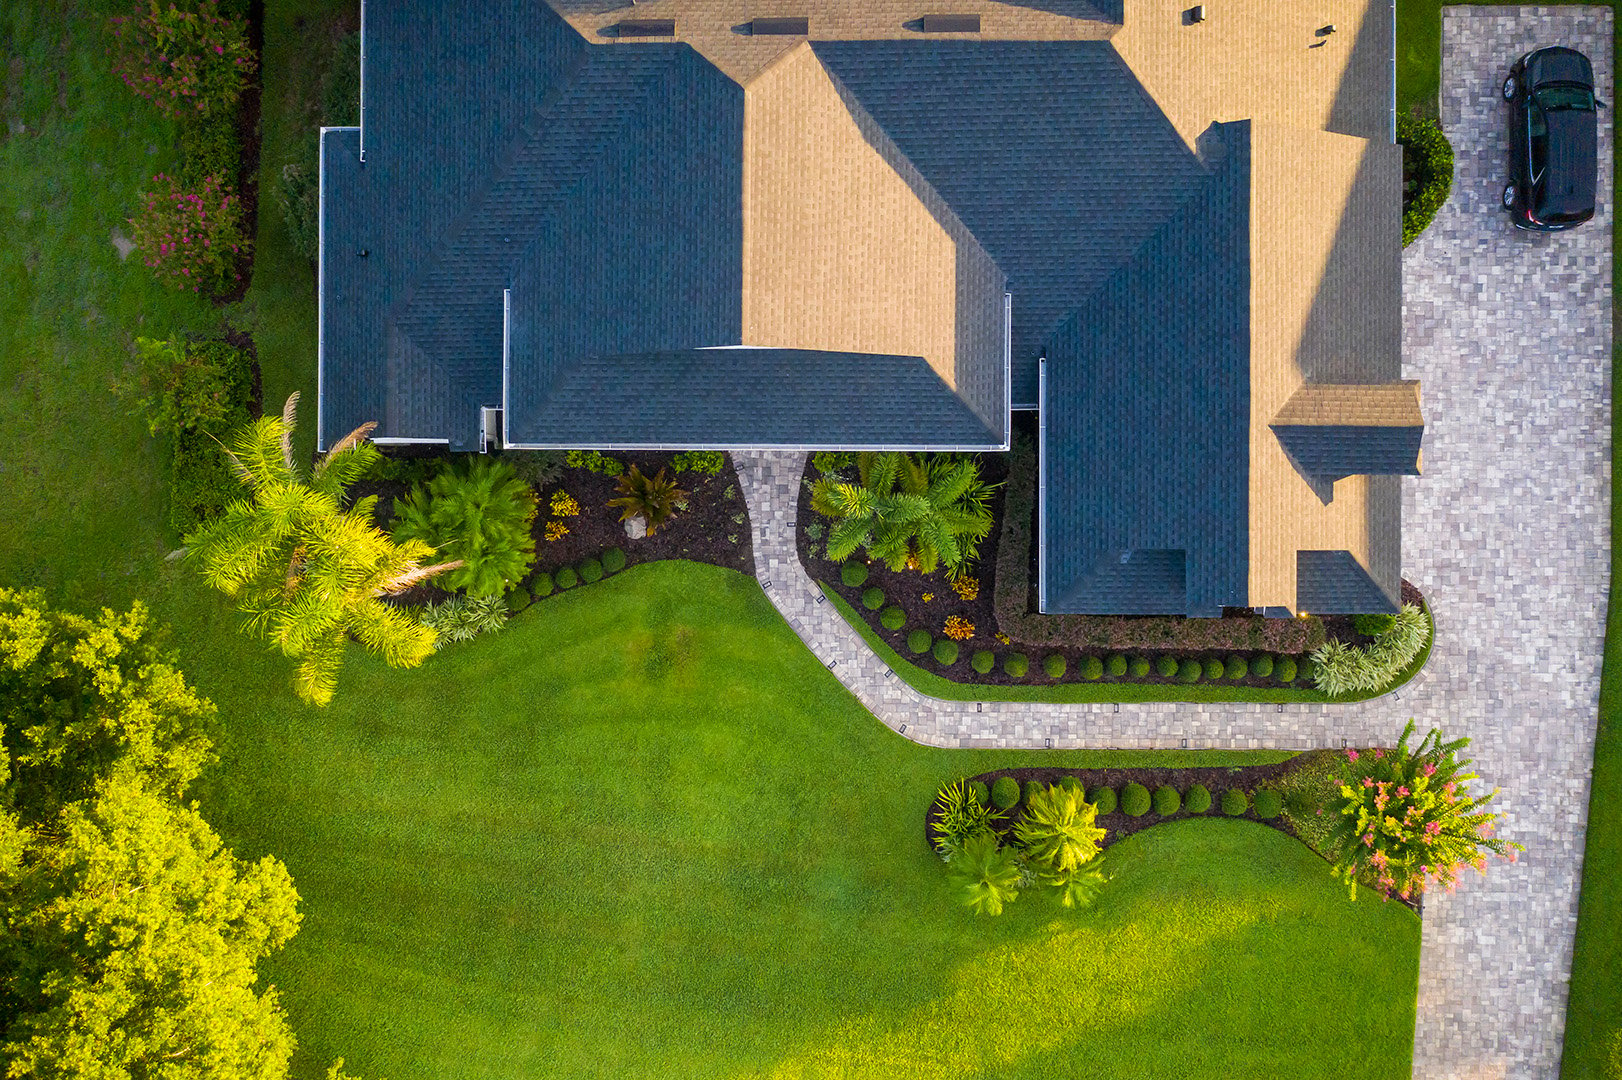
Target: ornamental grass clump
column 186, row 62
column 961, row 813
column 1339, row 668
column 191, row 239
column 1406, row 821
column 462, row 618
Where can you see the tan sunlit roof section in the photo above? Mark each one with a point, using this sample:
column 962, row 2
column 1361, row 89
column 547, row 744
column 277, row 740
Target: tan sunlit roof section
column 839, row 254
column 1264, row 60
column 1378, row 405
column 720, row 28
column 1326, row 254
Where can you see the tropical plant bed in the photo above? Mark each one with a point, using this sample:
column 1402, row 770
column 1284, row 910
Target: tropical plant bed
column 713, row 529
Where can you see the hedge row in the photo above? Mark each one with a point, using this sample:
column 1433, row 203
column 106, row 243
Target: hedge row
column 592, row 570
column 1135, row 800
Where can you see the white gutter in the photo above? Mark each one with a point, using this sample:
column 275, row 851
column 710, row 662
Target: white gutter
column 363, row 80
column 1041, row 485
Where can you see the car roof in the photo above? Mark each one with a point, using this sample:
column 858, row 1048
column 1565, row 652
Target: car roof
column 1558, row 64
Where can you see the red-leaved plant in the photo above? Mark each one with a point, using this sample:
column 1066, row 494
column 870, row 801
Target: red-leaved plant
column 187, row 62
column 1407, row 820
column 192, row 239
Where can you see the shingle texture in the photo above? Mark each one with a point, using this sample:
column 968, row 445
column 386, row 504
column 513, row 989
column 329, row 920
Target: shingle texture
column 746, row 397
column 1146, row 412
column 1050, row 152
column 1331, row 451
column 1334, row 583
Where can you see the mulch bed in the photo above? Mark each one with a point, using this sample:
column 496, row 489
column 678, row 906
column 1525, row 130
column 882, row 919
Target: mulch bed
column 700, row 533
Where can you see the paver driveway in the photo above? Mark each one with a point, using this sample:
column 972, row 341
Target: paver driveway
column 1507, row 532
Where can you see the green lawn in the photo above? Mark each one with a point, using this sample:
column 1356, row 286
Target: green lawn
column 643, row 832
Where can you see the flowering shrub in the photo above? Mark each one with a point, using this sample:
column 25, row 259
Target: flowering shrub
column 191, row 239
column 967, row 587
column 556, row 530
column 563, row 504
column 958, row 628
column 185, row 62
column 1406, row 820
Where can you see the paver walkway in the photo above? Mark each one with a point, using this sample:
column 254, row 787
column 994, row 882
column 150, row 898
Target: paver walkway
column 1507, row 532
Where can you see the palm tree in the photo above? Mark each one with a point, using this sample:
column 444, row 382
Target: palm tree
column 1057, row 829
column 653, row 499
column 988, row 876
column 478, row 513
column 309, row 574
column 923, row 512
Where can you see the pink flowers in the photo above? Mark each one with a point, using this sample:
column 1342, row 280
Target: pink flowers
column 177, row 230
column 1351, row 755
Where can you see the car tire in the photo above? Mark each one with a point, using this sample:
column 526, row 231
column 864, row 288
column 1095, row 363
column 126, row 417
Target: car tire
column 1509, row 196
column 1509, row 88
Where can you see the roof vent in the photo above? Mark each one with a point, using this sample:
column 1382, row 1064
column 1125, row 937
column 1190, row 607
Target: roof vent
column 794, row 25
column 647, row 28
column 951, row 24
column 1195, row 14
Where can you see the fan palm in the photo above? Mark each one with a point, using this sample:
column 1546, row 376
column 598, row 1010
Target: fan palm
column 309, row 574
column 988, row 876
column 1057, row 829
column 922, row 511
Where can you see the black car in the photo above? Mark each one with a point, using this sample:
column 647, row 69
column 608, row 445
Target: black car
column 1553, row 139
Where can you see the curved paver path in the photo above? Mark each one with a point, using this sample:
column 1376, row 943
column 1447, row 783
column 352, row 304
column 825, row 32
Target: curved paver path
column 1508, row 532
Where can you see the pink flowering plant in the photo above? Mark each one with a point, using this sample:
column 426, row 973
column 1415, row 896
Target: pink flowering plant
column 189, row 61
column 1406, row 820
column 192, row 239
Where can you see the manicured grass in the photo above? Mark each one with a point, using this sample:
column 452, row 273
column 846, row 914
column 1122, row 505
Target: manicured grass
column 938, row 686
column 643, row 832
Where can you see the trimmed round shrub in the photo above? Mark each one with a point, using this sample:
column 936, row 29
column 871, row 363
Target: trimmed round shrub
column 541, row 586
column 1237, row 667
column 1199, row 799
column 1284, row 670
column 1005, row 793
column 1103, row 798
column 1054, row 665
column 1305, row 669
column 1092, row 668
column 1262, row 666
column 1427, row 172
column 1268, row 803
column 983, row 661
column 1189, row 671
column 1115, row 665
column 1016, row 665
column 566, row 578
column 919, row 641
column 1166, row 666
column 591, row 571
column 1135, row 800
column 1139, row 666
column 1373, row 625
column 853, row 573
column 613, row 561
column 892, row 618
column 978, row 789
column 945, row 651
column 1070, row 783
column 1166, row 801
column 1234, row 802
column 1032, row 789
column 873, row 598
column 517, row 600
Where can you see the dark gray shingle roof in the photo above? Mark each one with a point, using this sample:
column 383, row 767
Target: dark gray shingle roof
column 747, row 397
column 1334, row 583
column 1331, row 451
column 1146, row 414
column 1050, row 152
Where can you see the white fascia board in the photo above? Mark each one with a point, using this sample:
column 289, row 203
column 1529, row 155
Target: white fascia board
column 1041, row 487
column 930, row 448
column 393, row 440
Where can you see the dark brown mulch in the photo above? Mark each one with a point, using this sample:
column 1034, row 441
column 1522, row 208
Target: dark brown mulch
column 907, row 588
column 700, row 533
column 249, row 137
column 703, row 532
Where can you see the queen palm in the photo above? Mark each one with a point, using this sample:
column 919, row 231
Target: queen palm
column 921, row 511
column 309, row 574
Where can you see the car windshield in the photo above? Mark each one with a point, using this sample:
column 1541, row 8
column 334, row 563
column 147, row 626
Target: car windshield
column 1562, row 97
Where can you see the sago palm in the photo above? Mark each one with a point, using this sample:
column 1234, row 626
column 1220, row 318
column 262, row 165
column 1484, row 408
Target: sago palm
column 309, row 574
column 478, row 513
column 988, row 876
column 1058, row 830
column 905, row 510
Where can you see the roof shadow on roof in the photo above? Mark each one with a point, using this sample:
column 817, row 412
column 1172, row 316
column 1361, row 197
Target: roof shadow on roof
column 1363, row 101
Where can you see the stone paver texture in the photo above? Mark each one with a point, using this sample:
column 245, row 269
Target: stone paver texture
column 1507, row 532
